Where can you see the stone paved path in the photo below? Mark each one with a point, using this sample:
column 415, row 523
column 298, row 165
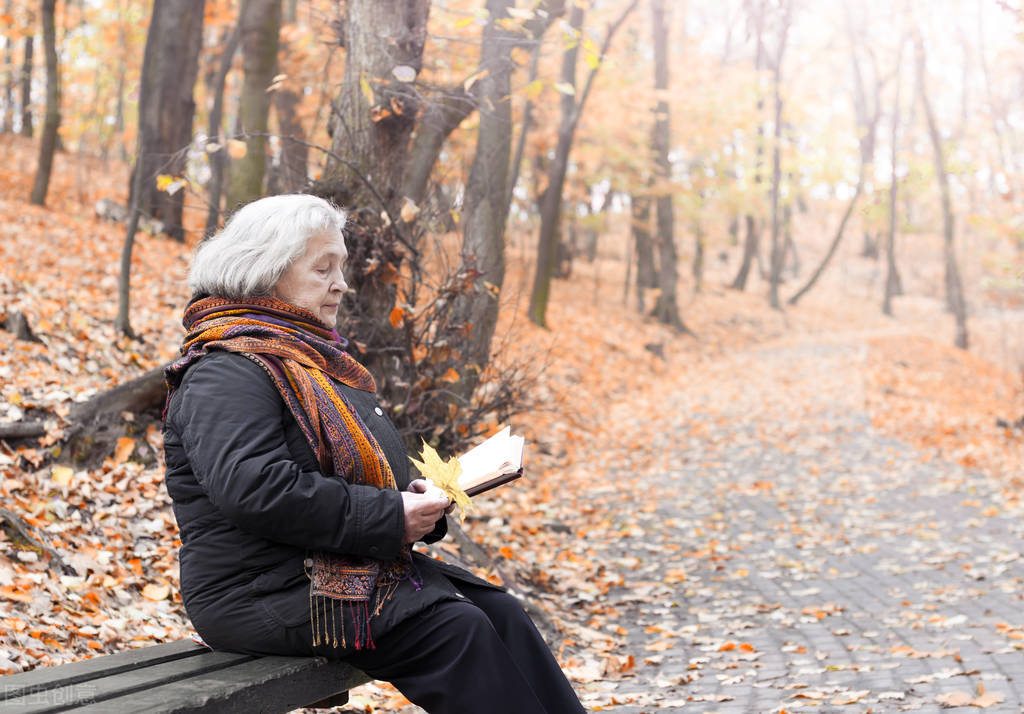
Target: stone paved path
column 792, row 558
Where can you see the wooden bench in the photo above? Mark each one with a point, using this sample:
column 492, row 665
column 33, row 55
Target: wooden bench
column 180, row 677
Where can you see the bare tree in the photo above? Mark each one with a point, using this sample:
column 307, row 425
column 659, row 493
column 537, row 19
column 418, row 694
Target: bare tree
column 997, row 118
column 26, row 82
column 524, row 130
column 893, row 285
column 572, row 110
column 157, row 62
column 665, row 308
column 260, row 22
column 166, row 107
column 646, row 271
column 551, row 205
column 218, row 157
column 291, row 173
column 778, row 250
column 757, row 13
column 48, row 141
column 954, row 288
column 867, row 123
column 483, row 236
column 447, row 107
column 8, row 116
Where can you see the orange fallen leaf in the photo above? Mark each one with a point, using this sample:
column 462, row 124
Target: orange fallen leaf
column 125, row 447
column 11, row 593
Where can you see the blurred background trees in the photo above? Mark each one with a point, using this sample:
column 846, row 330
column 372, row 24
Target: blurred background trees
column 669, row 140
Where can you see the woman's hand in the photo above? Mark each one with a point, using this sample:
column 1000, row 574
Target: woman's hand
column 422, row 510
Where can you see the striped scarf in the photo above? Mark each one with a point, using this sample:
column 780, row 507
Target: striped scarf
column 301, row 356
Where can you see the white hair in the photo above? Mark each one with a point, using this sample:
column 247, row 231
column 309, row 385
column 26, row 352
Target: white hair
column 249, row 255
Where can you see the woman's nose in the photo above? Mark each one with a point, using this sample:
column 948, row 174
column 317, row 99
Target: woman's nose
column 339, row 282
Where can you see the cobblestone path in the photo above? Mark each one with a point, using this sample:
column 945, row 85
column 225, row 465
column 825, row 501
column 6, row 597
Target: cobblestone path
column 775, row 553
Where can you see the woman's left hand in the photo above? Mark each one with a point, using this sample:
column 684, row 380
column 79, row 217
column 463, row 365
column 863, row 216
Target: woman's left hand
column 421, row 485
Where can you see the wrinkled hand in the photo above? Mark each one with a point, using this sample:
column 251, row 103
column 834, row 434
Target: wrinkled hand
column 423, row 508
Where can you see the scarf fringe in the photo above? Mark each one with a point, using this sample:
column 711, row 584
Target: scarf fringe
column 325, row 623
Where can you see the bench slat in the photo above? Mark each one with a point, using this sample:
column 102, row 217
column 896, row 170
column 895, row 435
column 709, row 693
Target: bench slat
column 179, row 677
column 43, row 678
column 100, row 688
column 267, row 684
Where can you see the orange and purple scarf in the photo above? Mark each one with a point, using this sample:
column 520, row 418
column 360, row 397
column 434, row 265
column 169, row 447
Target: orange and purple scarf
column 302, row 356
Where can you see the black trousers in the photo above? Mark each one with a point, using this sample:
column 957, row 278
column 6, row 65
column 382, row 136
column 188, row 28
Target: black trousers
column 483, row 654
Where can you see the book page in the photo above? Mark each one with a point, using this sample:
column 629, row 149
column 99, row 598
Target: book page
column 500, row 454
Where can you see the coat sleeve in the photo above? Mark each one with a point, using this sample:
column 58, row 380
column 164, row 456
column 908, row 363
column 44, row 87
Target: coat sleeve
column 231, row 422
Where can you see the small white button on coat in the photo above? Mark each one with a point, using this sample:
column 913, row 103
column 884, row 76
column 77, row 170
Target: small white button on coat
column 459, row 595
column 379, row 411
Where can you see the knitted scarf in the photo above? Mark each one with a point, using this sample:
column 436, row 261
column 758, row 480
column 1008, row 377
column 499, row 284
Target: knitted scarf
column 301, row 355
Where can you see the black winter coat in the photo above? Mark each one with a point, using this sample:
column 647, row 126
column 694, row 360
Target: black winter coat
column 250, row 503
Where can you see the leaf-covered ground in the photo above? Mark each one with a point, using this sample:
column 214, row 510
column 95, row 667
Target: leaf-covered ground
column 813, row 508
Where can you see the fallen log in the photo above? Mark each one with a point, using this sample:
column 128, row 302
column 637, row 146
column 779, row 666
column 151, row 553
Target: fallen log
column 141, row 394
column 22, row 430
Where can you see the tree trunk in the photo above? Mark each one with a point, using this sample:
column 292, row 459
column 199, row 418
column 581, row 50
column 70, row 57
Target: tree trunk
column 291, row 174
column 219, row 158
column 868, row 122
column 524, row 131
column 646, row 273
column 166, row 107
column 260, row 21
column 698, row 256
column 835, row 241
column 376, row 111
column 8, row 117
column 572, row 110
column 665, row 309
column 26, row 88
column 447, row 110
column 122, row 79
column 893, row 285
column 48, row 142
column 954, row 288
column 751, row 245
column 751, row 250
column 374, row 116
column 778, row 250
column 483, row 238
column 551, row 207
column 1006, row 161
column 440, row 118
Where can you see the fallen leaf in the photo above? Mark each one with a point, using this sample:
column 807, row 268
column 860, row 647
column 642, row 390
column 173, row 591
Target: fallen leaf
column 125, row 447
column 955, row 699
column 61, row 475
column 156, row 592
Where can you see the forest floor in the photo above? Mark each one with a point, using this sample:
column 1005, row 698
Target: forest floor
column 804, row 508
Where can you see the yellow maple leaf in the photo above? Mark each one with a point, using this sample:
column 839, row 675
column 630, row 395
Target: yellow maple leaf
column 444, row 475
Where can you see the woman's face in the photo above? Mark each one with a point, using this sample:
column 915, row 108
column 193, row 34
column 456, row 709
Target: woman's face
column 315, row 280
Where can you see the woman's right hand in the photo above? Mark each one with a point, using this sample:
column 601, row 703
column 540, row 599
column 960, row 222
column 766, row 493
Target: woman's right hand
column 422, row 511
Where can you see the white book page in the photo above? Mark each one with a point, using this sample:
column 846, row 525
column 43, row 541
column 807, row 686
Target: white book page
column 502, row 453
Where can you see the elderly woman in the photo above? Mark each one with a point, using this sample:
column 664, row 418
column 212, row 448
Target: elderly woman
column 291, row 487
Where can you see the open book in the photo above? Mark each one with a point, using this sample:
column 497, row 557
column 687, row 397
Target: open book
column 492, row 463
